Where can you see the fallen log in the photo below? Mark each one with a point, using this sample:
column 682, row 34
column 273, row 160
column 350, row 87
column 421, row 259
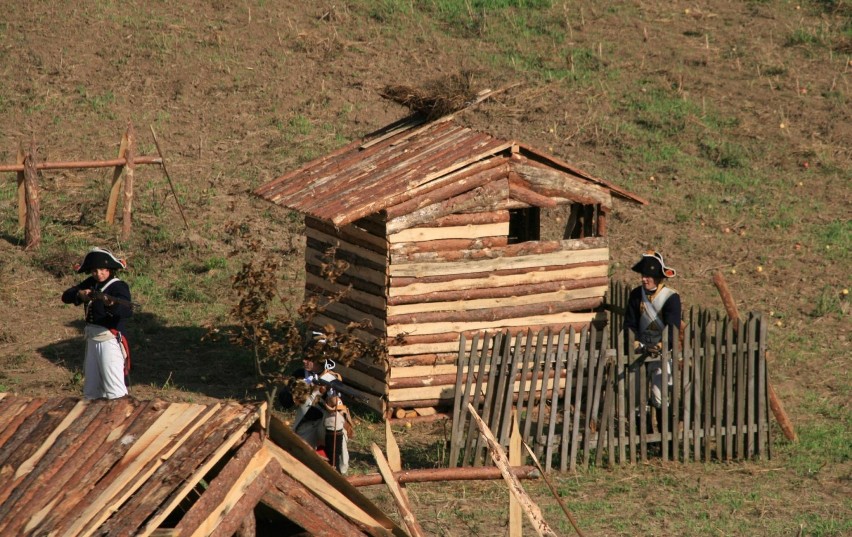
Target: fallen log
column 422, row 418
column 431, row 475
column 774, row 402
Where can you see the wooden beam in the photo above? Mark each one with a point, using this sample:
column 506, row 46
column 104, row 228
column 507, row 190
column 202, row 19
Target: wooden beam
column 515, row 458
column 462, row 181
column 482, row 198
column 397, row 493
column 510, row 308
column 83, row 164
column 22, row 194
column 464, row 219
column 169, row 479
column 574, row 276
column 500, row 298
column 774, row 401
column 324, row 286
column 427, row 183
column 432, row 475
column 146, row 454
column 527, row 195
column 554, row 491
column 499, row 457
column 408, row 248
column 432, row 301
column 514, row 256
column 346, row 244
column 419, row 234
column 464, row 326
column 350, row 233
column 551, row 182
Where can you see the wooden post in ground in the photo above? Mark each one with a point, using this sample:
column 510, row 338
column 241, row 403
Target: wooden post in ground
column 774, row 402
column 22, row 194
column 127, row 214
column 32, row 229
column 516, row 520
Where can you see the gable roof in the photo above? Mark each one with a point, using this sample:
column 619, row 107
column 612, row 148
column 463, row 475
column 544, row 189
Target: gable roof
column 403, row 160
column 125, row 467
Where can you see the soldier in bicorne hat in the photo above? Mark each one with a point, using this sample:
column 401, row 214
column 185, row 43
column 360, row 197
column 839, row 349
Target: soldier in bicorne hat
column 106, row 304
column 652, row 308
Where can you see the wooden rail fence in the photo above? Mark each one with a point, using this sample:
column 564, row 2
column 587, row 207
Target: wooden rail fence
column 124, row 166
column 580, row 395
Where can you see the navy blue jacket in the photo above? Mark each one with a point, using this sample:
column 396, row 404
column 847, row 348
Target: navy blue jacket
column 97, row 312
column 670, row 314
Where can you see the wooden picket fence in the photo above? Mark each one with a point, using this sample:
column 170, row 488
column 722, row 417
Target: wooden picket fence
column 580, row 395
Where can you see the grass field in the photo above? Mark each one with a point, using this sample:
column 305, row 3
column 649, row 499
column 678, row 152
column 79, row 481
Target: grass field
column 732, row 118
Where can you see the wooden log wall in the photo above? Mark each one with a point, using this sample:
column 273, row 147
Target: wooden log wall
column 457, row 275
column 363, row 245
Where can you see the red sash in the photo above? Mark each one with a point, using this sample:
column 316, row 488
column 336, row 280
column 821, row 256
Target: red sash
column 125, row 349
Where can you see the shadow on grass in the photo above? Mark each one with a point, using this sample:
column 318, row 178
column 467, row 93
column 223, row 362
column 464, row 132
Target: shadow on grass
column 172, row 357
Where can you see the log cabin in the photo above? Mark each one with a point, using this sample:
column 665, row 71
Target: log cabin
column 447, row 231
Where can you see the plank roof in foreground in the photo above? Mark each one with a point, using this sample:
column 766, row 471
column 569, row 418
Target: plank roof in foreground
column 72, row 467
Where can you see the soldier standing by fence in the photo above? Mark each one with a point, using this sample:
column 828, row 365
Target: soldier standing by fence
column 652, row 308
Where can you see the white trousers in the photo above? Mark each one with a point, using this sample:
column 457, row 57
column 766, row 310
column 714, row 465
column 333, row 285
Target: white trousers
column 654, row 378
column 104, row 365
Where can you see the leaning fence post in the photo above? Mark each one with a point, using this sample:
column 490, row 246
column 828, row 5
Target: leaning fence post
column 116, row 182
column 127, row 218
column 32, row 230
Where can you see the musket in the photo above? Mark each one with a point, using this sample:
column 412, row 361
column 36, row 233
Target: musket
column 100, row 295
column 341, row 388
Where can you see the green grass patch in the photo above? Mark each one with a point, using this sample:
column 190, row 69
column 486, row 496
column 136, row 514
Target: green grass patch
column 723, row 153
column 818, row 525
column 825, row 440
column 659, row 110
column 100, row 103
column 801, row 37
column 834, row 240
column 828, row 302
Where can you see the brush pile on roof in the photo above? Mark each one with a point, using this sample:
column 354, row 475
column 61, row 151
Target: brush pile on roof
column 438, row 98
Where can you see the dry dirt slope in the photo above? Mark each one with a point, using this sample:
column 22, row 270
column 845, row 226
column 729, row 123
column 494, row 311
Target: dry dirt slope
column 732, row 118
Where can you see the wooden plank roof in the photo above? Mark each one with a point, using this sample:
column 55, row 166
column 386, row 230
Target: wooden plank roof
column 393, row 165
column 126, row 467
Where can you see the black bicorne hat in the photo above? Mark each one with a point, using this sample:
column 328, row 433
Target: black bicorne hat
column 100, row 258
column 652, row 265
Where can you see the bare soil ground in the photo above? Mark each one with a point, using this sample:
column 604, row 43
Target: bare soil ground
column 732, row 118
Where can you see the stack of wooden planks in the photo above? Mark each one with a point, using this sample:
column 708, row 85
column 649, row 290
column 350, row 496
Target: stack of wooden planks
column 125, row 467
